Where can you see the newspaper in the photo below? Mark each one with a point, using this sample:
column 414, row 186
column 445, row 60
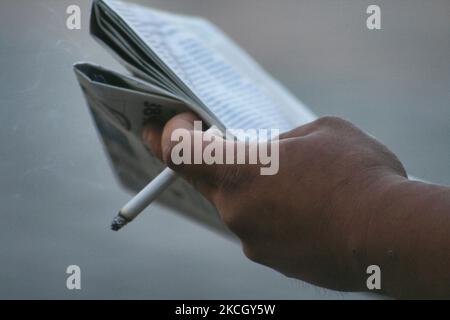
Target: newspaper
column 176, row 63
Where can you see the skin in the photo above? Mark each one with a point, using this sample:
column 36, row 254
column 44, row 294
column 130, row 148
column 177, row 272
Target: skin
column 340, row 202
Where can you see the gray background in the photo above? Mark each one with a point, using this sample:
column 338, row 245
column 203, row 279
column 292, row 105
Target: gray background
column 58, row 193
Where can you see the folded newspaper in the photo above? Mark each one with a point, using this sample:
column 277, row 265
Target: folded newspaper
column 176, row 63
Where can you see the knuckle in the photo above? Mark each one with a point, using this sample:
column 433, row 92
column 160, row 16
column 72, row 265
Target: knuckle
column 331, row 121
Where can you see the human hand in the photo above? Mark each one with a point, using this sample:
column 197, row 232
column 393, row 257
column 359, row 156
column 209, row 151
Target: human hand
column 308, row 221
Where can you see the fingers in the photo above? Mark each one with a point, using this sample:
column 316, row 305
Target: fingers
column 181, row 144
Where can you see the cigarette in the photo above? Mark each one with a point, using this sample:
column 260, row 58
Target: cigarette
column 143, row 199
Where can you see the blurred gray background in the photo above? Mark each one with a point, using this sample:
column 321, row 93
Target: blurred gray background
column 57, row 190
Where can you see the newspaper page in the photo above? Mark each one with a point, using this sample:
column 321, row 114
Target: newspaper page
column 190, row 64
column 218, row 74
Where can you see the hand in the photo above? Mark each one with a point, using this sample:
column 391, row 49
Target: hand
column 309, row 220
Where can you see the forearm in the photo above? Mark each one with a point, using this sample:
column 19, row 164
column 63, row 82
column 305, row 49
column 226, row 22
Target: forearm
column 408, row 237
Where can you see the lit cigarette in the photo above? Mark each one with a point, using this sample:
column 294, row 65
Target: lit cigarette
column 143, row 199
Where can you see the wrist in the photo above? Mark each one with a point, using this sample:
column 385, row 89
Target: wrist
column 408, row 239
column 374, row 223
